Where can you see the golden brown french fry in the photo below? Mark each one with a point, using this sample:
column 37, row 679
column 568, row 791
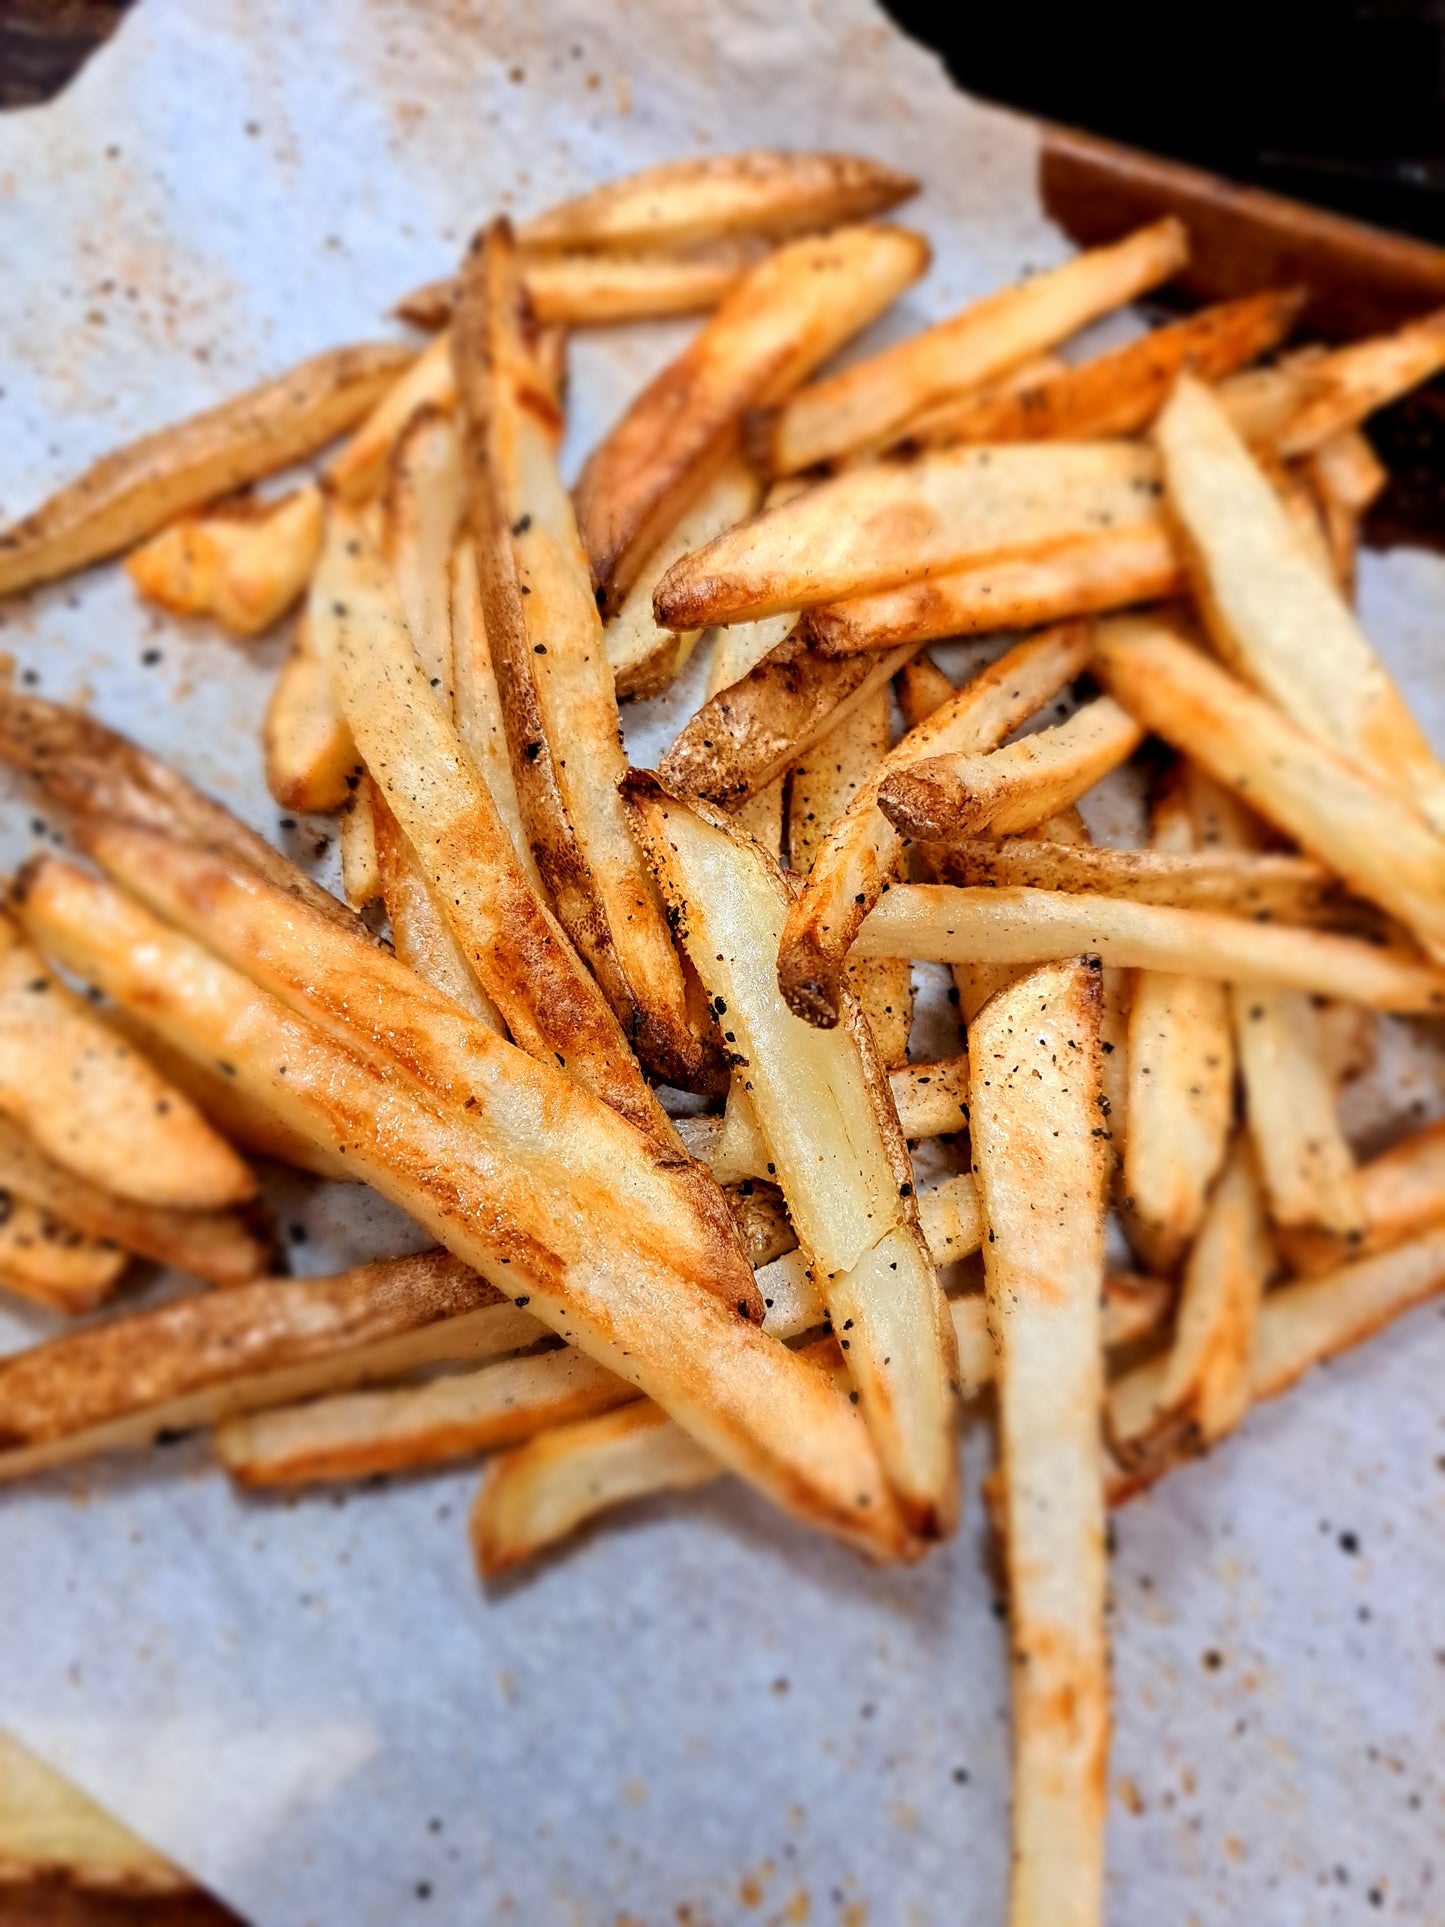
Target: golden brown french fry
column 551, row 1005
column 127, row 496
column 1117, row 393
column 311, row 760
column 548, row 1192
column 1039, row 1155
column 753, row 730
column 95, row 1104
column 217, row 1245
column 1107, row 569
column 719, row 196
column 1027, row 374
column 848, row 874
column 821, row 787
column 943, row 924
column 1272, row 887
column 921, row 687
column 421, row 509
column 1014, row 788
column 1179, row 1108
column 90, row 771
column 1272, row 616
column 784, row 318
column 1349, row 1039
column 832, row 1132
column 1402, row 1192
column 357, row 472
column 742, row 645
column 552, row 673
column 1367, row 834
column 360, row 870
column 51, row 1263
column 479, row 719
column 1289, row 1096
column 420, row 934
column 876, row 397
column 1345, row 476
column 581, row 290
column 644, row 657
column 244, row 562
column 899, row 522
column 1352, row 382
column 195, row 1360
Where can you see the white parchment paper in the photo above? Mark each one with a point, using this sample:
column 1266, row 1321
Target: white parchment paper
column 696, row 1714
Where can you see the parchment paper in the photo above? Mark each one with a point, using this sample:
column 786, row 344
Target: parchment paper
column 698, row 1714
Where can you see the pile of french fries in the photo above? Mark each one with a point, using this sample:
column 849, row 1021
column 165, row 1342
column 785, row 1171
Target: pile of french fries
column 636, row 1050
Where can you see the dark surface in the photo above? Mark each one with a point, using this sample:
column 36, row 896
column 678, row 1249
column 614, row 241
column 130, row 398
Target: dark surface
column 42, row 45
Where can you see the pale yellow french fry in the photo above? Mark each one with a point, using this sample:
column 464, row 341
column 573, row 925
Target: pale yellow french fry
column 820, row 789
column 420, row 933
column 757, row 191
column 763, row 816
column 1039, row 1155
column 899, row 522
column 785, row 317
column 1346, row 476
column 833, row 1135
column 360, row 869
column 541, row 1187
column 421, row 509
column 644, row 657
column 127, row 496
column 480, row 722
column 53, row 1836
column 1352, row 382
column 94, row 1103
column 1402, row 1192
column 1014, row 788
column 739, row 648
column 862, row 849
column 357, row 472
column 311, row 760
column 1365, row 832
column 1272, row 616
column 879, row 395
column 244, row 563
column 921, row 687
column 52, row 1263
column 580, row 290
column 1304, row 1157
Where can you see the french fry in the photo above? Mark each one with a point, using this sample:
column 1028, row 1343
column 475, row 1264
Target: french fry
column 757, row 728
column 942, row 924
column 127, row 496
column 360, row 869
column 583, row 290
column 540, row 1493
column 1272, row 887
column 1026, row 374
column 55, row 1840
column 95, row 1104
column 90, row 771
column 876, row 397
column 1179, row 1108
column 764, row 815
column 762, row 1220
column 921, row 687
column 217, row 1245
column 931, row 1099
column 1349, row 1039
column 1271, row 615
column 1107, row 569
column 1402, row 1192
column 1039, row 1156
column 1304, row 1158
column 738, row 649
column 1014, row 788
column 552, row 1007
column 51, row 1263
column 311, row 760
column 1366, row 833
column 480, row 723
column 898, row 522
column 822, row 786
column 1118, row 393
column 356, row 473
column 1204, row 1388
column 244, row 562
column 421, row 508
column 862, row 849
column 1345, row 476
column 196, row 1360
column 420, row 933
column 720, row 196
column 645, row 658
column 784, row 318
column 552, row 673
column 833, row 1135
column 541, row 1187
column 1352, row 382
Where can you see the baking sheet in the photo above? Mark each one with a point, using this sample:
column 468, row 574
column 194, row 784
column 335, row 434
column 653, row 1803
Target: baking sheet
column 696, row 1714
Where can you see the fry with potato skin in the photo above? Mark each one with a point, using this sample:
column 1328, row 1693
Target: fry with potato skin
column 897, row 522
column 128, row 495
column 1367, row 834
column 849, row 873
column 1038, row 1148
column 546, row 1191
column 784, row 318
column 876, row 397
column 243, row 562
column 1014, row 788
